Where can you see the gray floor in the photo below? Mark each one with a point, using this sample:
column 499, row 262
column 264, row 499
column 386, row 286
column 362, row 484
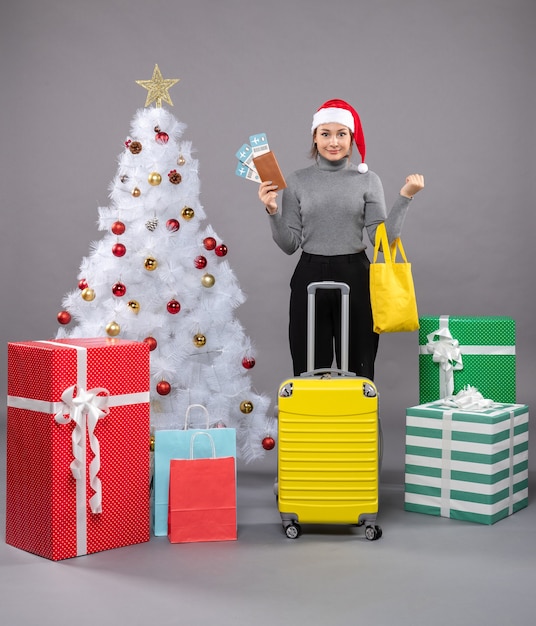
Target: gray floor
column 424, row 570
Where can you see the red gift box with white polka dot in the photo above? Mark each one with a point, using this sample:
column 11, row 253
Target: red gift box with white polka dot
column 78, row 431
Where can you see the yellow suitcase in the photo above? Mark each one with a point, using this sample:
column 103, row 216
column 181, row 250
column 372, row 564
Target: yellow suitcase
column 328, row 441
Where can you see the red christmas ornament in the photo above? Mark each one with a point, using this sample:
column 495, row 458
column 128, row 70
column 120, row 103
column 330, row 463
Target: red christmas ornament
column 64, row 317
column 173, row 225
column 162, row 137
column 221, row 250
column 163, row 387
column 119, row 290
column 118, row 228
column 173, row 307
column 118, row 249
column 151, row 341
column 268, row 443
column 248, row 362
column 209, row 243
column 200, row 262
column 82, row 284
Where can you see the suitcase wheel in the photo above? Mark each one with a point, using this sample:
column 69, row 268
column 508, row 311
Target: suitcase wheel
column 293, row 531
column 373, row 532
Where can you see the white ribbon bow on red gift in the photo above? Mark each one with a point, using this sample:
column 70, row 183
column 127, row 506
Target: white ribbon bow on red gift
column 85, row 409
column 446, row 351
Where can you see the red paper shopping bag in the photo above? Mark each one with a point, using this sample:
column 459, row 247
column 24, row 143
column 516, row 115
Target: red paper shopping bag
column 202, row 498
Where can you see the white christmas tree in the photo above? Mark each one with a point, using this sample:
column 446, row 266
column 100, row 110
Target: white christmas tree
column 158, row 275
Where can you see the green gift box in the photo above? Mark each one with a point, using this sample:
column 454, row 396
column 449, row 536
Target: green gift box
column 455, row 352
column 468, row 465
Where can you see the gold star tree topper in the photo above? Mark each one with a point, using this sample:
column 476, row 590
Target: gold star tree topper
column 158, row 88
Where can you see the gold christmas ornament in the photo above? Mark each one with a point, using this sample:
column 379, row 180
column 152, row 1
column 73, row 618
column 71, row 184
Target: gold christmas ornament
column 207, row 280
column 181, row 160
column 158, row 88
column 151, row 443
column 246, row 406
column 88, row 294
column 154, row 179
column 134, row 306
column 113, row 329
column 187, row 213
column 199, row 340
column 136, row 192
column 150, row 264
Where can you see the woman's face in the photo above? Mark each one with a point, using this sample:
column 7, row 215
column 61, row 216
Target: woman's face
column 333, row 141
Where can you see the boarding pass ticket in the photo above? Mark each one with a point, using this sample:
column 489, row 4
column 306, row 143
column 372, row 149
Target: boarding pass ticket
column 258, row 144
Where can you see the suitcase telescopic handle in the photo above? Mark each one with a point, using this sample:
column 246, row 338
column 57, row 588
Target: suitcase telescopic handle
column 345, row 320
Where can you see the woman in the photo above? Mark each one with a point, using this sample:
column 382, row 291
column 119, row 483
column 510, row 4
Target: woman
column 324, row 210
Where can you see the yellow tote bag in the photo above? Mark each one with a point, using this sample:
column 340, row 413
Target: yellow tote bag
column 392, row 293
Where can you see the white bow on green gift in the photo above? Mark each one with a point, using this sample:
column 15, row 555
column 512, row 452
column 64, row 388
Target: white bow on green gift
column 446, row 352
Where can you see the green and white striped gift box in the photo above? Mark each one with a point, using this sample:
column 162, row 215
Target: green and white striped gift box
column 467, row 465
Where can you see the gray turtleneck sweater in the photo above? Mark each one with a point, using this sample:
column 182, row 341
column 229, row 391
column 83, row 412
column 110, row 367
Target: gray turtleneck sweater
column 326, row 206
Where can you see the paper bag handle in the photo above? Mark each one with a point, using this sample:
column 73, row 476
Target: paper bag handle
column 191, row 406
column 192, row 441
column 389, row 251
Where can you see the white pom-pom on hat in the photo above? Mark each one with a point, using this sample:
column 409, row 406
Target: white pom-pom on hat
column 343, row 113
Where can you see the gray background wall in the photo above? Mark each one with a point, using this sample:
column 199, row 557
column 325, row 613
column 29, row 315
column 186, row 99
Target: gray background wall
column 446, row 88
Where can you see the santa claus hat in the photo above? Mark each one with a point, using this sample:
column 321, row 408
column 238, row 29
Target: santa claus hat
column 343, row 113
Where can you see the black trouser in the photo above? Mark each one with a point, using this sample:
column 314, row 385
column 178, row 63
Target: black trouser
column 352, row 269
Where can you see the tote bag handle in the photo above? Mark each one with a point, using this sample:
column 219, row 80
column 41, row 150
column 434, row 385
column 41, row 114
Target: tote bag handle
column 212, row 446
column 192, row 406
column 389, row 252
